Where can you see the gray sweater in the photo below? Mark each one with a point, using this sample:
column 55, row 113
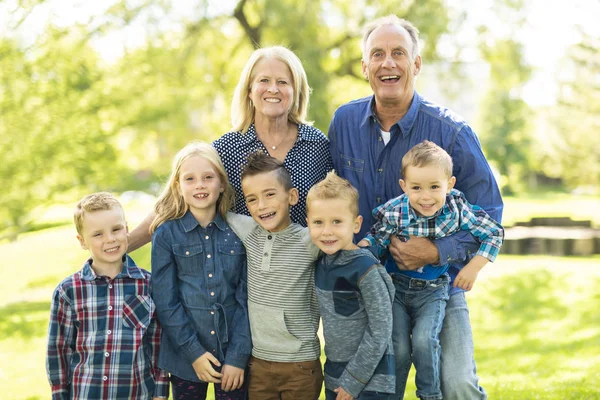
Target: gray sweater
column 355, row 296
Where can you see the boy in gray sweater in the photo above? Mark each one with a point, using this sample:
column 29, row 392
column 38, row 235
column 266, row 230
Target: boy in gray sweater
column 355, row 296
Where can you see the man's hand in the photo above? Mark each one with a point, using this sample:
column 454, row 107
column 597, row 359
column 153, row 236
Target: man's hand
column 342, row 394
column 233, row 378
column 204, row 369
column 414, row 253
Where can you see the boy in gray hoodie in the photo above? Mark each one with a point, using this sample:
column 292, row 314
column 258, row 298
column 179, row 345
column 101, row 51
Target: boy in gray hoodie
column 355, row 295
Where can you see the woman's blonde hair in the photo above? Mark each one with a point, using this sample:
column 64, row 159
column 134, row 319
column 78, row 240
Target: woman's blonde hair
column 171, row 205
column 242, row 109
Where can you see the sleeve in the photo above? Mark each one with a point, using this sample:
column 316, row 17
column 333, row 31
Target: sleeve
column 62, row 334
column 386, row 224
column 377, row 335
column 161, row 378
column 333, row 150
column 241, row 225
column 165, row 294
column 488, row 232
column 240, row 348
column 475, row 179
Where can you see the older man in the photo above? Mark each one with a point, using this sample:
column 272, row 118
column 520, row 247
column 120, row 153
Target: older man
column 369, row 137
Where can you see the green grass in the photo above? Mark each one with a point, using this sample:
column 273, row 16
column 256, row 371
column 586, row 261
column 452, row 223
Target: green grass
column 535, row 319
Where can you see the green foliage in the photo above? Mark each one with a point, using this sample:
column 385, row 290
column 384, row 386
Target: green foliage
column 576, row 150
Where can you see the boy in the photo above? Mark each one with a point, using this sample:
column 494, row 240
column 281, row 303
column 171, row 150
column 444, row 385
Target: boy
column 282, row 304
column 429, row 207
column 103, row 336
column 355, row 296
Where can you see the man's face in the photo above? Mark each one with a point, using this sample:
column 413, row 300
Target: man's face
column 388, row 65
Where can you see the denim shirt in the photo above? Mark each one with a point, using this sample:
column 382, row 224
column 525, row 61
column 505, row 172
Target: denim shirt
column 199, row 286
column 374, row 168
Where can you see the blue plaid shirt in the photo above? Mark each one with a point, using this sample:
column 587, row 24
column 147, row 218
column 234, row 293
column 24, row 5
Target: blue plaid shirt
column 397, row 217
column 103, row 337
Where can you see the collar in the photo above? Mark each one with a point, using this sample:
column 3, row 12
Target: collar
column 406, row 123
column 130, row 270
column 304, row 133
column 189, row 223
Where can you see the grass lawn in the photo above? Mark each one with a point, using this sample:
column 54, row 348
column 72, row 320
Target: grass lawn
column 535, row 319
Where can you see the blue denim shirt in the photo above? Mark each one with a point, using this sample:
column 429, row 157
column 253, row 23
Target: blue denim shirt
column 199, row 286
column 360, row 155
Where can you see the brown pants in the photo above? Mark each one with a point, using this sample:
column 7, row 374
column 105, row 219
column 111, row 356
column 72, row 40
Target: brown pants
column 271, row 380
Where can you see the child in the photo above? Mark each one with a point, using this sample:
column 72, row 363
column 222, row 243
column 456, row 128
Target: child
column 199, row 280
column 103, row 337
column 429, row 207
column 284, row 314
column 355, row 297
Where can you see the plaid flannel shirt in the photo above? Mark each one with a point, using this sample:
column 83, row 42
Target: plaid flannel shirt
column 103, row 337
column 397, row 217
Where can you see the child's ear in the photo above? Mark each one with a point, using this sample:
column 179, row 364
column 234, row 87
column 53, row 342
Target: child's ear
column 82, row 242
column 358, row 223
column 402, row 185
column 293, row 195
column 451, row 183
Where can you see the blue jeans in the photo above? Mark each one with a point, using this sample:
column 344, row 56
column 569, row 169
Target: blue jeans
column 365, row 395
column 419, row 309
column 459, row 375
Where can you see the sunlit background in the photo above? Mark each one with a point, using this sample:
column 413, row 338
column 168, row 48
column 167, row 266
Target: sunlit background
column 99, row 95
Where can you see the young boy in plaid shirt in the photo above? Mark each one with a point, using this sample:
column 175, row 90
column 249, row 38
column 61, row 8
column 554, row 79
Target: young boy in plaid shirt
column 103, row 337
column 429, row 207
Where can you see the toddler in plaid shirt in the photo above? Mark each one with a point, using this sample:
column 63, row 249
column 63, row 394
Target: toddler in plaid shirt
column 103, row 337
column 429, row 207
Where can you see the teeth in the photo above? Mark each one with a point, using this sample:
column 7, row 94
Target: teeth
column 112, row 250
column 267, row 215
column 388, row 77
column 201, row 195
column 273, row 100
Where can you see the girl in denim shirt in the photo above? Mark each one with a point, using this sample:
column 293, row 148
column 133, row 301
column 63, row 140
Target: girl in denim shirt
column 199, row 281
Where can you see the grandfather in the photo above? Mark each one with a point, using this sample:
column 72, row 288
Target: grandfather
column 369, row 137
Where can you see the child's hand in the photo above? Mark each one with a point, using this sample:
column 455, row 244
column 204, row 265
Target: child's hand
column 204, row 369
column 233, row 378
column 342, row 394
column 363, row 243
column 466, row 278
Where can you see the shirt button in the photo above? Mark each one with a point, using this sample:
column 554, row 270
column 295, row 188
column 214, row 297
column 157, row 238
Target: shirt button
column 106, row 354
column 232, row 252
column 110, row 286
column 214, row 350
column 266, row 254
column 206, row 237
column 212, row 332
column 210, row 275
column 208, row 256
column 105, row 378
column 380, row 170
column 212, row 293
column 212, row 313
column 108, row 332
column 270, row 237
column 109, row 308
column 187, row 253
column 380, row 138
column 379, row 200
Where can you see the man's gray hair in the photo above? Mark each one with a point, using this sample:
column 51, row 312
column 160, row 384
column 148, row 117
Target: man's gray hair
column 391, row 20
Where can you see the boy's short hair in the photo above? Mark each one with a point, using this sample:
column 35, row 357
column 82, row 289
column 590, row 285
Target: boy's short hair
column 334, row 188
column 427, row 153
column 260, row 163
column 99, row 201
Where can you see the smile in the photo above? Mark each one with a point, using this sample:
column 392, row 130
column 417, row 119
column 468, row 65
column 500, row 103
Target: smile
column 112, row 249
column 201, row 195
column 267, row 215
column 387, row 78
column 271, row 100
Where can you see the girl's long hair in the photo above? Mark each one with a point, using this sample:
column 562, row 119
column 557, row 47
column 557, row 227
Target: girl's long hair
column 170, row 204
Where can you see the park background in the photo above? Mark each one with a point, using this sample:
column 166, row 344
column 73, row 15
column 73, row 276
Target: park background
column 99, row 95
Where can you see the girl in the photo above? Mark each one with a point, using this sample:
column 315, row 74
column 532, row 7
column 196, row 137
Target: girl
column 199, row 281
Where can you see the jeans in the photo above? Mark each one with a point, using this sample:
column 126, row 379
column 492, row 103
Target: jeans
column 458, row 376
column 188, row 390
column 419, row 308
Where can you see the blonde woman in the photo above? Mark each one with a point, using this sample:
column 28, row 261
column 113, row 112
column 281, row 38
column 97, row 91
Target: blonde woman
column 199, row 281
column 269, row 114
